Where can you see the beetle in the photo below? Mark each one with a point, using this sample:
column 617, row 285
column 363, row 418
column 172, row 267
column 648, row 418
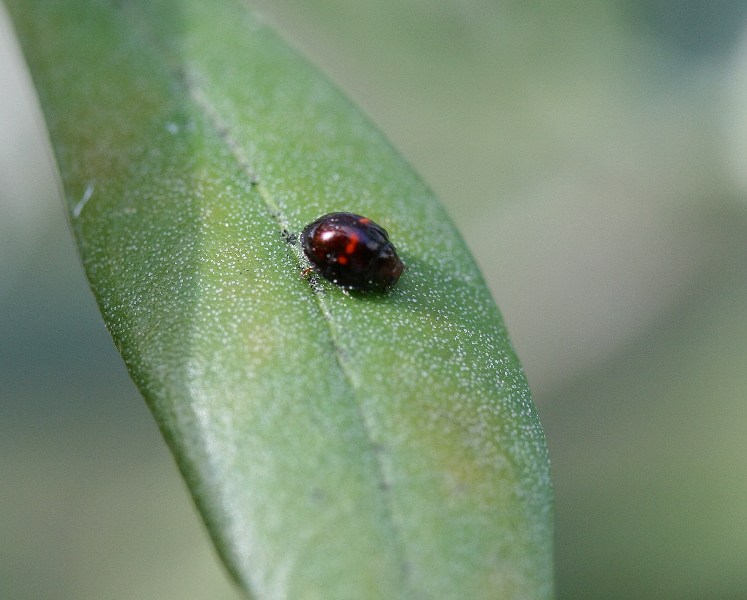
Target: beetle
column 352, row 251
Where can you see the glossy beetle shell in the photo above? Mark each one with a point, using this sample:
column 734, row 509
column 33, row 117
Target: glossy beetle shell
column 352, row 251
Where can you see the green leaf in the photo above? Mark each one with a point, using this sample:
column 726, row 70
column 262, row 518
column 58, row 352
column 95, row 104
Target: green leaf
column 338, row 446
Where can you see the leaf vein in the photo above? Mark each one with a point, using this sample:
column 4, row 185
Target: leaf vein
column 195, row 92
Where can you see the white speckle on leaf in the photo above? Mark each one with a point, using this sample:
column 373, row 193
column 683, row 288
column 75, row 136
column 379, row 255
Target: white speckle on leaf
column 172, row 127
column 77, row 209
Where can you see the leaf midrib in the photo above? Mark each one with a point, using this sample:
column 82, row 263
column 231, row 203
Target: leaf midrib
column 190, row 82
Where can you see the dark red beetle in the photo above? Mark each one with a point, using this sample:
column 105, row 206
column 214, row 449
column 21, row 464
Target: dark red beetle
column 352, row 251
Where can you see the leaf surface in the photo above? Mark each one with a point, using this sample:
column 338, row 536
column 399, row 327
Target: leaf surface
column 337, row 446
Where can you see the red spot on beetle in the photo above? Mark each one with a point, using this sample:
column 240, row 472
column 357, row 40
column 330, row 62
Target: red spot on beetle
column 350, row 248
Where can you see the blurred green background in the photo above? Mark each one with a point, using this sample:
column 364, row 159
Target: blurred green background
column 594, row 155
